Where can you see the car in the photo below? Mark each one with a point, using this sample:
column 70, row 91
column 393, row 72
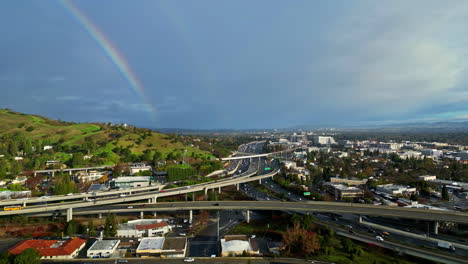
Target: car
column 216, row 204
column 123, row 195
column 213, row 256
column 70, row 194
column 349, row 226
column 351, row 231
column 189, row 260
column 182, row 234
column 379, row 238
column 385, row 233
column 163, row 191
column 121, row 261
column 130, row 207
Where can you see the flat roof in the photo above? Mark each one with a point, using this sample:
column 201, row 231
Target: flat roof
column 175, row 243
column 151, row 243
column 104, row 244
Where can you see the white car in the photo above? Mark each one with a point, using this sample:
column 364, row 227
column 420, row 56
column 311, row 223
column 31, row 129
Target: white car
column 70, row 194
column 379, row 238
column 182, row 234
column 189, row 260
column 130, row 207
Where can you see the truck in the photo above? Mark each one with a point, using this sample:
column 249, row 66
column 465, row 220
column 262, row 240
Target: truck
column 445, row 245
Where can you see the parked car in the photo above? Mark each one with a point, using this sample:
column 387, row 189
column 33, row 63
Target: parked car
column 379, row 238
column 189, row 260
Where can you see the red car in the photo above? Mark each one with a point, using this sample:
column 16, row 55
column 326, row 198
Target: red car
column 163, row 191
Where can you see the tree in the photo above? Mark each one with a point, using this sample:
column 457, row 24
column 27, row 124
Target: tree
column 77, row 160
column 70, row 230
column 91, row 229
column 110, row 226
column 28, row 256
column 445, row 194
column 300, row 241
column 121, row 169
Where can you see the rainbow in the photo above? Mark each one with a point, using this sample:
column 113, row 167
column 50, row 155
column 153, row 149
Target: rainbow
column 111, row 51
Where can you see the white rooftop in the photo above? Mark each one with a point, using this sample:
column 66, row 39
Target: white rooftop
column 235, row 246
column 104, row 244
column 151, row 243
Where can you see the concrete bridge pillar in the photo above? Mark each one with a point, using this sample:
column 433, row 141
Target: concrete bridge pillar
column 155, row 199
column 35, row 173
column 24, row 203
column 150, row 200
column 259, row 181
column 219, row 190
column 206, row 192
column 436, row 228
column 190, row 216
column 142, row 215
column 53, row 173
column 237, row 186
column 155, row 214
column 70, row 172
column 100, row 215
column 69, row 214
column 247, row 216
column 360, row 219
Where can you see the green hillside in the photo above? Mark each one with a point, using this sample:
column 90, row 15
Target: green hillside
column 26, row 135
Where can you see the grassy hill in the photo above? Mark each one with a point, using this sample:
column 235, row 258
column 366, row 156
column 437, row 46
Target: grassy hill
column 111, row 143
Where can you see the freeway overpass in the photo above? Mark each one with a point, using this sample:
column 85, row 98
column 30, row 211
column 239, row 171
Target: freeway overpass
column 70, row 170
column 257, row 155
column 151, row 195
column 309, row 206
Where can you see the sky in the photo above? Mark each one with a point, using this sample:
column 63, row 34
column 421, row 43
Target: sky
column 242, row 64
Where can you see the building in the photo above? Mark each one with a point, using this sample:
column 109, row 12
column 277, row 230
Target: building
column 302, row 138
column 150, row 247
column 275, row 247
column 51, row 249
column 130, row 182
column 352, row 182
column 235, row 245
column 289, row 164
column 323, row 140
column 392, row 146
column 137, row 167
column 143, row 228
column 428, row 177
column 92, row 175
column 174, row 247
column 431, row 153
column 19, row 180
column 341, row 191
column 410, row 154
column 162, row 247
column 103, row 249
column 395, row 189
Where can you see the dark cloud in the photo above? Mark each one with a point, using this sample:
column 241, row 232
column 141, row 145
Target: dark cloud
column 238, row 64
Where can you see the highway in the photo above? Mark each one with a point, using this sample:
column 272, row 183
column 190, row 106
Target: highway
column 308, row 206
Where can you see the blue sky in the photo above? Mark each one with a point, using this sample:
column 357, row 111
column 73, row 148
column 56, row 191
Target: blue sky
column 238, row 64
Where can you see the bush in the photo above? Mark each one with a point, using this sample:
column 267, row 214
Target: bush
column 29, row 128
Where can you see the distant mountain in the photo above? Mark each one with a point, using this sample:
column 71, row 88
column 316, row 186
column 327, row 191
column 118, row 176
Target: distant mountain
column 439, row 126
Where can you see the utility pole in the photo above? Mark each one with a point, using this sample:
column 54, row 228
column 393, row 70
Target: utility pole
column 217, row 229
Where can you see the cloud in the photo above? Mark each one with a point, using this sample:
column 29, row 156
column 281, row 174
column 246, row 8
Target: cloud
column 69, row 98
column 395, row 58
column 57, row 79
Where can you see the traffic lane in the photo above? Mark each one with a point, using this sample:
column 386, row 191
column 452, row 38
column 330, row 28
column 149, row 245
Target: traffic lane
column 273, row 186
column 362, row 229
column 361, row 209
